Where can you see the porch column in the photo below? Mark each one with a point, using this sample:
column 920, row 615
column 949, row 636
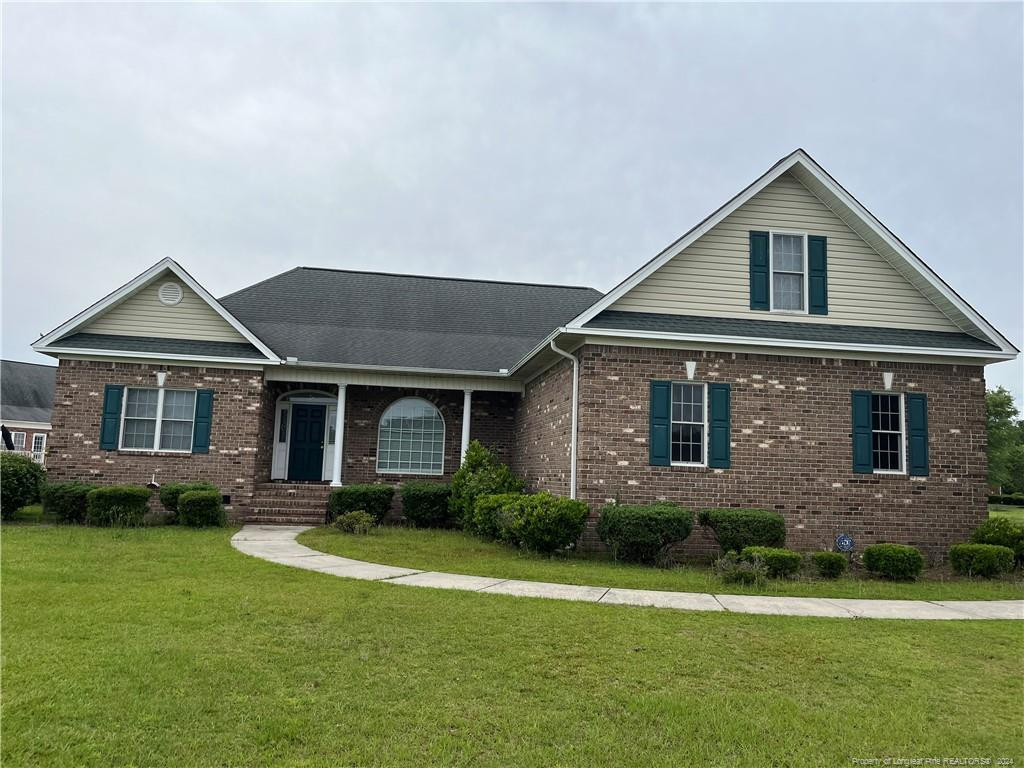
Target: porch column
column 467, row 407
column 339, row 438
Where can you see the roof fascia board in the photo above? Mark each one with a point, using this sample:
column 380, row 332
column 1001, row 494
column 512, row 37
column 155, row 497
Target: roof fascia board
column 12, row 424
column 76, row 352
column 395, row 369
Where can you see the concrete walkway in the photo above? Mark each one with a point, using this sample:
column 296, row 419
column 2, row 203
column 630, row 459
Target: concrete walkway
column 277, row 544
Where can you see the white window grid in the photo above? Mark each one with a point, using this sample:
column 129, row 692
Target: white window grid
column 781, row 264
column 39, row 447
column 156, row 414
column 18, row 438
column 689, row 409
column 410, row 439
column 900, row 432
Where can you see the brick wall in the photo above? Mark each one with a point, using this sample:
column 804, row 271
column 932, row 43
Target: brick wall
column 791, row 445
column 73, row 449
column 543, row 425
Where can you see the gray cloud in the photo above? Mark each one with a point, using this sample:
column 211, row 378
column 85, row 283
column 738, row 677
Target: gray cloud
column 557, row 143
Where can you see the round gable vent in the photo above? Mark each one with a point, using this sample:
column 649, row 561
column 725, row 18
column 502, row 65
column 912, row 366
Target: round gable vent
column 170, row 294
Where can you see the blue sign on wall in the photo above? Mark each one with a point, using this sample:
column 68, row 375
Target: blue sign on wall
column 844, row 542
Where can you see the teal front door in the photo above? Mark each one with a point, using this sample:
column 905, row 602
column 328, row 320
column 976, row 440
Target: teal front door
column 306, row 454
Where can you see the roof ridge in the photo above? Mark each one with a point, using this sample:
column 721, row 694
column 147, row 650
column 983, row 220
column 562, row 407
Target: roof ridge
column 23, row 362
column 442, row 277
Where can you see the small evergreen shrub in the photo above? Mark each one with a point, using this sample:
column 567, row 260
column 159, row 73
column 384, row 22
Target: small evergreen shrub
column 481, row 474
column 67, row 501
column 894, row 561
column 779, row 563
column 1002, row 532
column 21, row 480
column 357, row 522
column 732, row 569
column 489, row 513
column 117, row 505
column 170, row 493
column 374, row 499
column 640, row 534
column 736, row 529
column 987, row 560
column 544, row 523
column 426, row 504
column 201, row 509
column 829, row 565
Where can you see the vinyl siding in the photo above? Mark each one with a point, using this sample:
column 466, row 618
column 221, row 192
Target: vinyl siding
column 711, row 277
column 143, row 314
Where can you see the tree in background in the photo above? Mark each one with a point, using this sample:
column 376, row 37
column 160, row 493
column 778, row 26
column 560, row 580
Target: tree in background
column 1005, row 442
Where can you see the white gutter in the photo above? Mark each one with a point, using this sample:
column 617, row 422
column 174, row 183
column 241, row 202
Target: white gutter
column 575, row 414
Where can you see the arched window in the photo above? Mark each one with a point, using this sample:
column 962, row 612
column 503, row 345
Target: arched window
column 410, row 438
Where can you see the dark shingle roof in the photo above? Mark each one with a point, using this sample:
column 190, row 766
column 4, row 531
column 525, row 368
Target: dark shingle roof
column 161, row 346
column 26, row 391
column 776, row 329
column 374, row 319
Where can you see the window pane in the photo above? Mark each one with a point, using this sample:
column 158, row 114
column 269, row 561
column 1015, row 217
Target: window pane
column 788, row 253
column 179, row 404
column 282, row 434
column 141, row 403
column 687, row 443
column 788, row 291
column 139, row 433
column 176, row 435
column 18, row 438
column 886, row 433
column 411, row 438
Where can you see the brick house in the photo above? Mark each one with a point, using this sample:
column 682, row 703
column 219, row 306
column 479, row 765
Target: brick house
column 789, row 353
column 26, row 401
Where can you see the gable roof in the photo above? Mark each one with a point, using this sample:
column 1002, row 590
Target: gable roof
column 26, row 391
column 381, row 320
column 858, row 218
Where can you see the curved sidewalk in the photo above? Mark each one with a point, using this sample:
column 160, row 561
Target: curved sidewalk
column 278, row 545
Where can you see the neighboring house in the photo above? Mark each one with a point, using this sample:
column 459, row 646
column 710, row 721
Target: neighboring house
column 26, row 400
column 788, row 353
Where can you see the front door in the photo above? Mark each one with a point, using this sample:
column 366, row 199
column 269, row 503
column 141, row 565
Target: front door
column 306, row 454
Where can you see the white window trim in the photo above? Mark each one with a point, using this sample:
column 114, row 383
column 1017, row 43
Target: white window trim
column 771, row 272
column 159, row 423
column 704, row 433
column 42, row 449
column 903, row 437
column 444, row 441
column 14, row 441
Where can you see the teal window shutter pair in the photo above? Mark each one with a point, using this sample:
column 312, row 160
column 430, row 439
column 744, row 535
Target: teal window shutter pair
column 110, row 423
column 817, row 273
column 660, row 437
column 916, row 404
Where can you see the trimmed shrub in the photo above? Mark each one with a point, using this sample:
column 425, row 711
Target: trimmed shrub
column 894, row 561
column 640, row 534
column 489, row 513
column 480, row 474
column 1010, row 499
column 374, row 499
column 201, row 509
column 21, row 479
column 736, row 529
column 67, row 501
column 117, row 505
column 171, row 493
column 780, row 563
column 544, row 523
column 987, row 560
column 732, row 569
column 357, row 522
column 426, row 504
column 830, row 565
column 1002, row 532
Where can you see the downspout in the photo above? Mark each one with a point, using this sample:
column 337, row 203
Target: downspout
column 575, row 415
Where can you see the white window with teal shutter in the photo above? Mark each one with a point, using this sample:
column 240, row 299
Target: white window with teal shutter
column 890, row 433
column 789, row 273
column 690, row 424
column 156, row 419
column 787, row 256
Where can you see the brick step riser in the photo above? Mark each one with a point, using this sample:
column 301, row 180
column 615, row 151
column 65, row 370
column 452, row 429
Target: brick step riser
column 263, row 501
column 271, row 520
column 274, row 487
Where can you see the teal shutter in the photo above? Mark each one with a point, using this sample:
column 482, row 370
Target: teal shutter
column 661, row 423
column 759, row 277
column 917, row 434
column 110, row 425
column 719, row 442
column 862, row 432
column 204, row 420
column 817, row 275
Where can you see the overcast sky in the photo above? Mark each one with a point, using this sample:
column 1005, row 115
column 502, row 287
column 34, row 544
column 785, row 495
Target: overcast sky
column 563, row 143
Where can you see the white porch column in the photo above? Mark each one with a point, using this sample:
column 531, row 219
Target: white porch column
column 467, row 407
column 339, row 438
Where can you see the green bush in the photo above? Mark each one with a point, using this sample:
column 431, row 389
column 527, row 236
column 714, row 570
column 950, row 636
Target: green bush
column 372, row 498
column 987, row 560
column 641, row 534
column 117, row 505
column 357, row 522
column 170, row 493
column 1002, row 532
column 894, row 561
column 201, row 509
column 1009, row 499
column 780, row 563
column 426, row 504
column 830, row 565
column 544, row 523
column 21, row 480
column 67, row 501
column 732, row 569
column 736, row 529
column 489, row 513
column 480, row 474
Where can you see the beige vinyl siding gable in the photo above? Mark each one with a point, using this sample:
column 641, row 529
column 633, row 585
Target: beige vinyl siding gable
column 711, row 277
column 143, row 314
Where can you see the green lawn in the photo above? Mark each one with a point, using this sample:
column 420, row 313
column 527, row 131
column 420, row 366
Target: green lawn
column 165, row 647
column 458, row 552
column 1006, row 510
